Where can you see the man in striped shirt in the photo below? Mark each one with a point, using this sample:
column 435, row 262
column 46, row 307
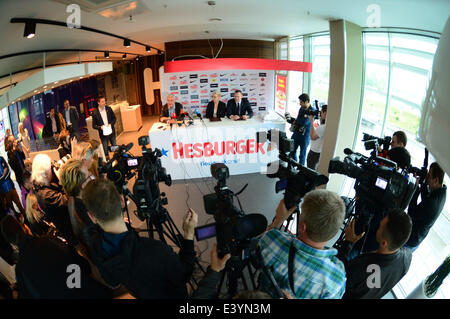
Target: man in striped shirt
column 317, row 273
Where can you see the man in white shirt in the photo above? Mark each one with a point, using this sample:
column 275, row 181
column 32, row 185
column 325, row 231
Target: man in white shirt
column 316, row 139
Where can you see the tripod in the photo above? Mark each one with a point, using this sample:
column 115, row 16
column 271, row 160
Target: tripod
column 159, row 221
column 234, row 270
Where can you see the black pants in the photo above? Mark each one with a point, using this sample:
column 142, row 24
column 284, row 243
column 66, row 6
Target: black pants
column 313, row 159
column 112, row 139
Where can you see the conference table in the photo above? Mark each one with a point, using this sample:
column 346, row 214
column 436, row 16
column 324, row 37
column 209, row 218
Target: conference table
column 188, row 151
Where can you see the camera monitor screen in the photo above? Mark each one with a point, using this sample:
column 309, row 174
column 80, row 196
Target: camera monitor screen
column 205, row 232
column 381, row 183
column 280, row 185
column 132, row 162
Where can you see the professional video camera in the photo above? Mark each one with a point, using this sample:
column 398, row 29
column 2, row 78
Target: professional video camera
column 232, row 227
column 295, row 179
column 379, row 185
column 369, row 141
column 121, row 166
column 146, row 187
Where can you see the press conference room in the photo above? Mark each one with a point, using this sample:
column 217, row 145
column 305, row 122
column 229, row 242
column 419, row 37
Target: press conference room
column 220, row 150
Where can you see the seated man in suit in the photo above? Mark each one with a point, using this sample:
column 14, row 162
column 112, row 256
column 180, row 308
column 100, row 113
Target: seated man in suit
column 215, row 108
column 169, row 108
column 238, row 107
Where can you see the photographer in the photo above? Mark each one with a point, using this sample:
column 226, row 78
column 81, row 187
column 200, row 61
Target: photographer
column 301, row 127
column 433, row 194
column 313, row 271
column 146, row 267
column 391, row 257
column 316, row 136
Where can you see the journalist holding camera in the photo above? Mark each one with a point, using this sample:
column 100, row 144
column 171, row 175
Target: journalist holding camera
column 300, row 128
column 433, row 194
column 391, row 258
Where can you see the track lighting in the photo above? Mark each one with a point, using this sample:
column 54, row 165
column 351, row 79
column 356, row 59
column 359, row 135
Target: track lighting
column 126, row 43
column 30, row 30
column 107, row 54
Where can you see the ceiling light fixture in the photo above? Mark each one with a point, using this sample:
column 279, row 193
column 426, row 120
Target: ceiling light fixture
column 126, row 43
column 30, row 30
column 124, row 56
column 107, row 54
column 147, row 48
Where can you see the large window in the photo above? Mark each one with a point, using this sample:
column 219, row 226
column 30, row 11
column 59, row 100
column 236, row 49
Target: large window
column 320, row 77
column 396, row 74
column 315, row 49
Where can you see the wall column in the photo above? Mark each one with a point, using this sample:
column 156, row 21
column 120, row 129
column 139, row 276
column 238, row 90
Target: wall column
column 343, row 96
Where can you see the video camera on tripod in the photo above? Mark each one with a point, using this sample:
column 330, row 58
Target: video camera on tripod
column 295, row 179
column 233, row 228
column 146, row 187
column 121, row 166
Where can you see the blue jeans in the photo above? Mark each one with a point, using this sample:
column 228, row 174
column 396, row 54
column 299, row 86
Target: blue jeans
column 301, row 141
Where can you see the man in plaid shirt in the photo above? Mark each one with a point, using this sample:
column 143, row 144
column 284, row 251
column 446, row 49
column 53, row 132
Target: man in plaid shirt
column 317, row 272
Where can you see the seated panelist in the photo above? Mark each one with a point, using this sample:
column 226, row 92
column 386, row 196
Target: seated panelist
column 169, row 108
column 216, row 108
column 238, row 107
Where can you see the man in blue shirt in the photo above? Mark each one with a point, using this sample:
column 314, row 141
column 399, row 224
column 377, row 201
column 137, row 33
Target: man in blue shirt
column 301, row 128
column 7, row 189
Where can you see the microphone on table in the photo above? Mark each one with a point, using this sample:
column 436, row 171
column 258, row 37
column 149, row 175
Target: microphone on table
column 197, row 112
column 190, row 120
column 174, row 117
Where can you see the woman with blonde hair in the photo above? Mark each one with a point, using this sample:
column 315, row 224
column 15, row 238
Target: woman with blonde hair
column 34, row 215
column 24, row 140
column 216, row 108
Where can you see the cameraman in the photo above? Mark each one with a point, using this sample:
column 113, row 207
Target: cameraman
column 433, row 194
column 303, row 266
column 392, row 258
column 317, row 139
column 301, row 127
column 398, row 139
column 148, row 268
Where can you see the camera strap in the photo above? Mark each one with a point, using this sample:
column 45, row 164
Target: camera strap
column 292, row 253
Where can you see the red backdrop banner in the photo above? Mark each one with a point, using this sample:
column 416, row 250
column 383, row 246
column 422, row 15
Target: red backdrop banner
column 236, row 64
